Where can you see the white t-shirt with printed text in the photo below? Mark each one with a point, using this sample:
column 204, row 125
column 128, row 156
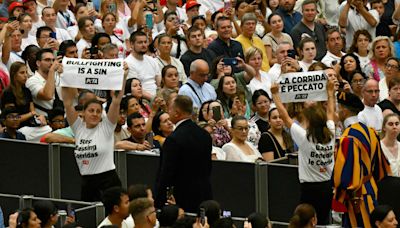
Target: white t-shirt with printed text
column 316, row 161
column 94, row 152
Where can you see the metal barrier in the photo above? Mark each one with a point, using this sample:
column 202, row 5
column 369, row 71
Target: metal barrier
column 87, row 214
column 51, row 171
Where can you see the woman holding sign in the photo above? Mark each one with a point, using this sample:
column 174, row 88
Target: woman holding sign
column 94, row 139
column 316, row 144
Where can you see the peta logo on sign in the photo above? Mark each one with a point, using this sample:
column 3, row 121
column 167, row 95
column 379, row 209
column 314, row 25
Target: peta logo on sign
column 301, row 96
column 92, row 81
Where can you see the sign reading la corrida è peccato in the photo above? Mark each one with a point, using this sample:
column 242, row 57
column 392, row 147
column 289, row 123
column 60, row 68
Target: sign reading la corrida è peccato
column 303, row 86
column 101, row 74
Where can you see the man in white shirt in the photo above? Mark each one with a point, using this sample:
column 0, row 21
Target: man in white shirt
column 372, row 113
column 334, row 44
column 116, row 205
column 49, row 17
column 354, row 15
column 142, row 66
column 43, row 83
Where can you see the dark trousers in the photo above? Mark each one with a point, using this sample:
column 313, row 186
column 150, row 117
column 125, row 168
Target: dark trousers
column 93, row 186
column 319, row 195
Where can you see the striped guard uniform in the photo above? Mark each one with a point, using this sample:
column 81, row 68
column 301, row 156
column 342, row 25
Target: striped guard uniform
column 359, row 164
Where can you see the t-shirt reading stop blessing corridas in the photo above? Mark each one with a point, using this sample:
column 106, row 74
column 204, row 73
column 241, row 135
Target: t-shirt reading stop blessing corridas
column 315, row 160
column 94, row 146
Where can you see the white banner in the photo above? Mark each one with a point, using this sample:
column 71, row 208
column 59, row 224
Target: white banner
column 303, row 86
column 102, row 74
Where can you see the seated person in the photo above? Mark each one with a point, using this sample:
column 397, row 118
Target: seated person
column 11, row 120
column 137, row 141
column 162, row 127
column 239, row 149
column 56, row 119
column 121, row 132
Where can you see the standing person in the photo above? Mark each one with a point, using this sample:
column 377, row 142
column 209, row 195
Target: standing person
column 308, row 27
column 359, row 165
column 94, row 139
column 249, row 39
column 142, row 66
column 334, row 44
column 116, row 205
column 354, row 15
column 188, row 143
column 316, row 144
column 372, row 114
column 195, row 39
column 308, row 53
column 389, row 142
column 289, row 15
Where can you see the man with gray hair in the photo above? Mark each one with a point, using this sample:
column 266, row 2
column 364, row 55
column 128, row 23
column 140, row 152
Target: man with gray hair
column 196, row 86
column 249, row 39
column 109, row 51
column 283, row 59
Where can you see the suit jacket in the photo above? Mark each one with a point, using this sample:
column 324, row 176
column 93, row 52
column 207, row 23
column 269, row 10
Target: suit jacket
column 186, row 165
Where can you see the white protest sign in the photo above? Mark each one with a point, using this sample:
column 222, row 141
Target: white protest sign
column 303, row 86
column 102, row 74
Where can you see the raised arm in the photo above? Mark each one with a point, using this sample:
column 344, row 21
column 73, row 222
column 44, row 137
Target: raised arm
column 113, row 112
column 249, row 71
column 6, row 49
column 68, row 95
column 344, row 15
column 364, row 12
column 281, row 108
column 330, row 113
column 47, row 92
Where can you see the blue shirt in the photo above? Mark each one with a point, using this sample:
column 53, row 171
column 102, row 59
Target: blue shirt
column 221, row 48
column 289, row 20
column 201, row 93
column 18, row 136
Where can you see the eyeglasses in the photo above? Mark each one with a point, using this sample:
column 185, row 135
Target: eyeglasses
column 13, row 117
column 390, row 66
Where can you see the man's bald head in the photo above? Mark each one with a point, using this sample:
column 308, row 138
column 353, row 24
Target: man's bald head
column 199, row 71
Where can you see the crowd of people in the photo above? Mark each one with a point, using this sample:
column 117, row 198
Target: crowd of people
column 202, row 81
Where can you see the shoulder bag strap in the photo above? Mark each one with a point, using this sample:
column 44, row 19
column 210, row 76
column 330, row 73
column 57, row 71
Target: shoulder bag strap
column 191, row 86
column 276, row 147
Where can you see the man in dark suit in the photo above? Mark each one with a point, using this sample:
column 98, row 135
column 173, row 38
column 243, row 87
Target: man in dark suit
column 185, row 159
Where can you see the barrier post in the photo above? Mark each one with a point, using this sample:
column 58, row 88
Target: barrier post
column 54, row 171
column 25, row 201
column 120, row 164
column 262, row 188
column 100, row 213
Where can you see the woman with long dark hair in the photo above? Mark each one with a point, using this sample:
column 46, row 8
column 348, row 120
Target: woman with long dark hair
column 275, row 142
column 316, row 144
column 162, row 127
column 133, row 87
column 27, row 218
column 19, row 96
column 261, row 102
column 348, row 64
